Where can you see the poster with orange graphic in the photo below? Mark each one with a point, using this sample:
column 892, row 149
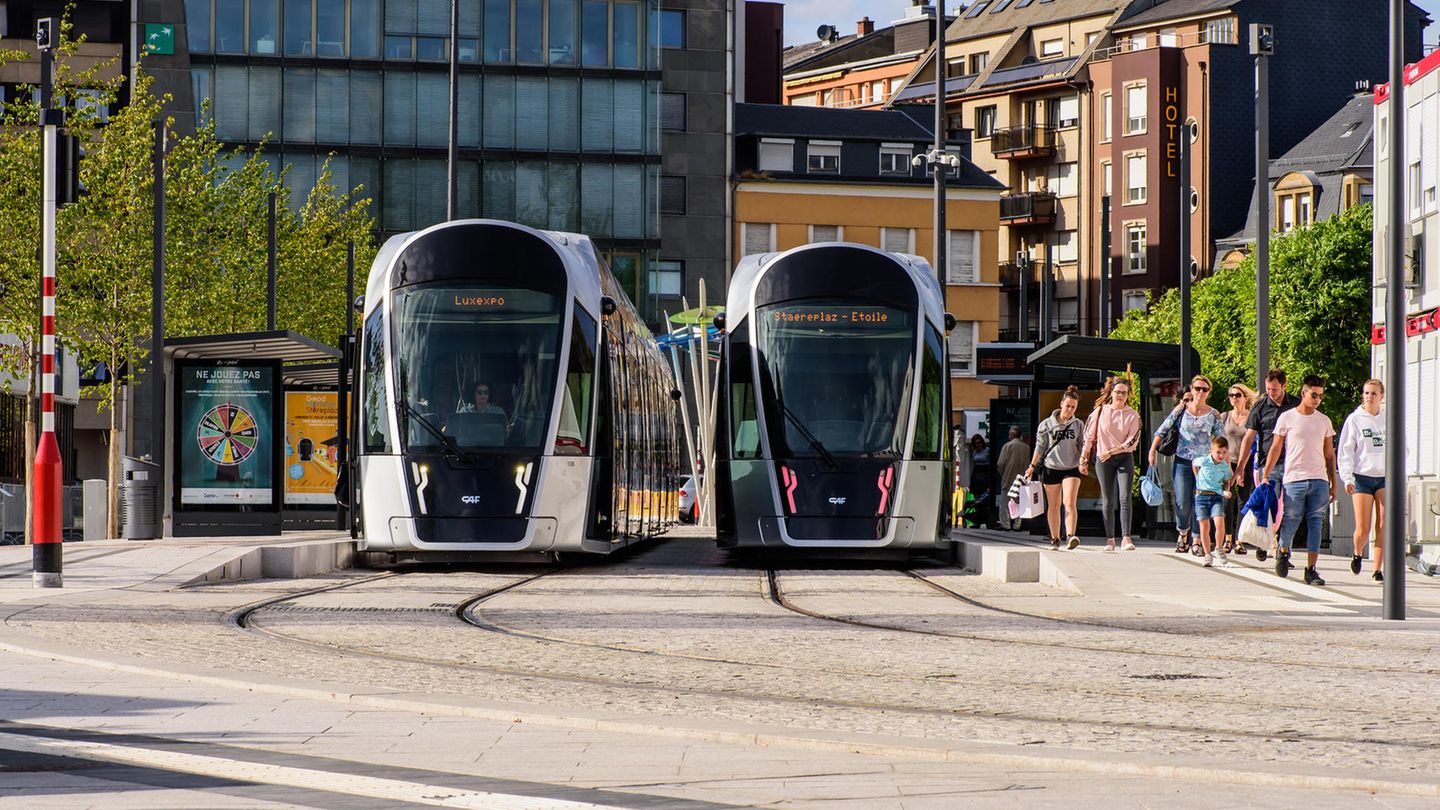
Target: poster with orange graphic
column 311, row 447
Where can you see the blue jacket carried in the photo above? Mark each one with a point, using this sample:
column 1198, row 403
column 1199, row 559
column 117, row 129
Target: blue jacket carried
column 1264, row 502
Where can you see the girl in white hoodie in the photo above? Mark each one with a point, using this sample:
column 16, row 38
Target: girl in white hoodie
column 1361, row 457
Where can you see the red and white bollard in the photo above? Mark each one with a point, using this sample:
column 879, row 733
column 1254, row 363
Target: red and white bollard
column 45, row 485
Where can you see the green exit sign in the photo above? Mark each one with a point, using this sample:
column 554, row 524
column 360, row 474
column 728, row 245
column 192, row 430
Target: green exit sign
column 160, row 38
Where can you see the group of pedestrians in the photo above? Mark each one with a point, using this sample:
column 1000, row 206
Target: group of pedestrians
column 1219, row 460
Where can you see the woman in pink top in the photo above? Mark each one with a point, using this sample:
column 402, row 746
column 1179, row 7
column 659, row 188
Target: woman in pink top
column 1113, row 434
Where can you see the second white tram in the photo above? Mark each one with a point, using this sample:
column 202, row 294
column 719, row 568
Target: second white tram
column 508, row 398
column 834, row 422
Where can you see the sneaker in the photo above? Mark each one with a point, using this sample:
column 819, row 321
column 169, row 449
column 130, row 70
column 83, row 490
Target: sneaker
column 1209, row 561
column 1054, row 544
column 1127, row 545
column 1221, row 559
column 1109, row 545
column 1378, row 577
column 1261, row 554
column 1282, row 564
column 1355, row 564
column 1312, row 578
column 1074, row 543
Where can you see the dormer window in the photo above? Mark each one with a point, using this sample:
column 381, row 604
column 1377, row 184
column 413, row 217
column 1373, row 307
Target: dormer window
column 823, row 157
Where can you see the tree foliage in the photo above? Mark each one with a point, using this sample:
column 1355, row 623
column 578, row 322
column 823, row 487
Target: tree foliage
column 1320, row 283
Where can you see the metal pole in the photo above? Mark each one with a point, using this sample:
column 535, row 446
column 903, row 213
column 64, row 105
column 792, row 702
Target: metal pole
column 1105, row 266
column 1262, row 220
column 47, row 554
column 450, row 154
column 271, row 271
column 1186, row 372
column 936, row 163
column 1047, row 297
column 350, row 287
column 1022, row 266
column 157, row 318
column 1394, row 596
column 342, row 390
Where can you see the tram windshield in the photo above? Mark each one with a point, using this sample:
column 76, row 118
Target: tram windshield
column 838, row 376
column 476, row 367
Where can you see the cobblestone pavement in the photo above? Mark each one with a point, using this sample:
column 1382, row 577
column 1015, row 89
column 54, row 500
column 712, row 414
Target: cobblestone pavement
column 681, row 631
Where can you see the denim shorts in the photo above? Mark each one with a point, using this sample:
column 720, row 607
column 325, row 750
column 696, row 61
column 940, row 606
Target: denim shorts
column 1208, row 506
column 1369, row 484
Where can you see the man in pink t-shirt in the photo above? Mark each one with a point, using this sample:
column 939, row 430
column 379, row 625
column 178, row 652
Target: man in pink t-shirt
column 1307, row 440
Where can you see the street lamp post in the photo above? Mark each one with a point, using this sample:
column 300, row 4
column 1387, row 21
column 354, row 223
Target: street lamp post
column 1394, row 591
column 1262, row 47
column 451, row 178
column 1186, row 372
column 937, row 158
column 45, row 486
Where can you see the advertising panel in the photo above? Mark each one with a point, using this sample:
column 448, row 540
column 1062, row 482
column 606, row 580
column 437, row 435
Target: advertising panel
column 311, row 447
column 225, row 444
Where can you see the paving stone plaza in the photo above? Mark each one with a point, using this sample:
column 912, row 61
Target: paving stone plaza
column 680, row 676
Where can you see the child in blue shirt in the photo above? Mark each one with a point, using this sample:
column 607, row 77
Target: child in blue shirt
column 1212, row 487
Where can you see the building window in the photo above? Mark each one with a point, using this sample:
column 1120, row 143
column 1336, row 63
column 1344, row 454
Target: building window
column 777, row 155
column 1060, row 179
column 877, row 91
column 672, row 112
column 1136, row 190
column 595, row 33
column 625, row 40
column 756, row 237
column 1093, row 37
column 1136, row 247
column 672, row 29
column 978, row 62
column 667, row 277
column 1367, row 193
column 1052, row 47
column 985, row 121
column 1303, row 210
column 1064, row 247
column 1063, row 112
column 1220, row 32
column 1105, row 181
column 672, row 194
column 960, row 251
column 1139, row 42
column 1169, row 38
column 1105, row 106
column 1135, row 109
column 897, row 240
column 561, row 34
column 1285, row 217
column 1131, row 300
column 961, row 345
column 823, row 157
column 895, row 159
column 826, row 233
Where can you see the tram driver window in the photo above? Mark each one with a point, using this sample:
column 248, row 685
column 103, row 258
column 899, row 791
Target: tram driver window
column 377, row 404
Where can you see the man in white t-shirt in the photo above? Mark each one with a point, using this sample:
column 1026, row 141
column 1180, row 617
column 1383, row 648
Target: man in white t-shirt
column 1306, row 439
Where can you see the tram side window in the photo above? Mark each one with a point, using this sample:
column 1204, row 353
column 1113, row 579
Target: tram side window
column 377, row 404
column 744, row 425
column 930, row 421
column 574, row 431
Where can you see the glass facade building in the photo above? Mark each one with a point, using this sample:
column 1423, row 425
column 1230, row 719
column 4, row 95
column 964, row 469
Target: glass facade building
column 559, row 104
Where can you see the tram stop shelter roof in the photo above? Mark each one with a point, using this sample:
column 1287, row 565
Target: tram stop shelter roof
column 307, row 362
column 1108, row 354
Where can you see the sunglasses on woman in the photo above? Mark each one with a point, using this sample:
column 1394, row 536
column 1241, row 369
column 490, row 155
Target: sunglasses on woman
column 1236, row 394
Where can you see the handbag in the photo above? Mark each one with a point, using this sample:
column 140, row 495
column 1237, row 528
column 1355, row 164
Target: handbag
column 1150, row 489
column 1031, row 502
column 1170, row 440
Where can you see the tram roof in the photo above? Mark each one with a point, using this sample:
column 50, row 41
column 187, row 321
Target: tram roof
column 281, row 344
column 1108, row 354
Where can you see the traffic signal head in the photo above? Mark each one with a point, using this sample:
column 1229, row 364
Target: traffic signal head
column 1262, row 40
column 47, row 33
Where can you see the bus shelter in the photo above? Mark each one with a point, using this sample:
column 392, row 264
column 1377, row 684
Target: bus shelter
column 251, row 439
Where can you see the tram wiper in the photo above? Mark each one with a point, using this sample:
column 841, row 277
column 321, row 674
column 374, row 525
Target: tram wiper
column 809, row 437
column 452, row 450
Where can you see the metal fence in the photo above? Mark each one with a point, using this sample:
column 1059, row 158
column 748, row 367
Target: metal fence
column 12, row 514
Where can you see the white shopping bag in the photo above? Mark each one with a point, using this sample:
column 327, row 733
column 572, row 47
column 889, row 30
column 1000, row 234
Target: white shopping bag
column 1251, row 533
column 1031, row 503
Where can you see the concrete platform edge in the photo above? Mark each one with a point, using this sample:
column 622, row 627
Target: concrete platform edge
column 1001, row 754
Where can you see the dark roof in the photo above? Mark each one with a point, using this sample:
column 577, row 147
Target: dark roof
column 1019, row 13
column 1154, row 12
column 1343, row 144
column 1109, row 354
column 793, row 121
column 795, row 54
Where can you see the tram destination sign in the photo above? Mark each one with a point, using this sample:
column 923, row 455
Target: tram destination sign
column 833, row 316
column 1004, row 362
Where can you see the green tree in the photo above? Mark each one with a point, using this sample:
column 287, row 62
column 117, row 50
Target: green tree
column 1320, row 283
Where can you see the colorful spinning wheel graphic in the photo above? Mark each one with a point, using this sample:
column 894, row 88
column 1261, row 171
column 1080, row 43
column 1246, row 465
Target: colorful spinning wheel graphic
column 227, row 434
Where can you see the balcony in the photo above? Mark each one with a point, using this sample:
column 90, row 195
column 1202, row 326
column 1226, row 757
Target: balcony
column 1023, row 143
column 1029, row 208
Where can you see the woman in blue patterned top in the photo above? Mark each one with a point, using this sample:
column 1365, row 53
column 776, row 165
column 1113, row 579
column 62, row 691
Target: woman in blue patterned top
column 1198, row 424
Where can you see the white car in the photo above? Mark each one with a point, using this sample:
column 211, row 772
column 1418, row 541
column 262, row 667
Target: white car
column 689, row 503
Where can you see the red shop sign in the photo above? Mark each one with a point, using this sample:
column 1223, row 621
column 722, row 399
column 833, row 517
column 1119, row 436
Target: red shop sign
column 1420, row 324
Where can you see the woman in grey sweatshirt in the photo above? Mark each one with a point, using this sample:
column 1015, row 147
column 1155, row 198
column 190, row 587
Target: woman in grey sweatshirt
column 1058, row 444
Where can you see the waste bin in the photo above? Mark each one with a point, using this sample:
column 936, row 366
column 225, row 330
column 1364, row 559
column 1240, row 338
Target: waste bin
column 139, row 499
column 96, row 508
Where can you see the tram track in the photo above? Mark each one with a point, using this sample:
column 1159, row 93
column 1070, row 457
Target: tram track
column 244, row 619
column 776, row 594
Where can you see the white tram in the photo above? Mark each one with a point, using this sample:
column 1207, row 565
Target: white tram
column 508, row 398
column 832, row 431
